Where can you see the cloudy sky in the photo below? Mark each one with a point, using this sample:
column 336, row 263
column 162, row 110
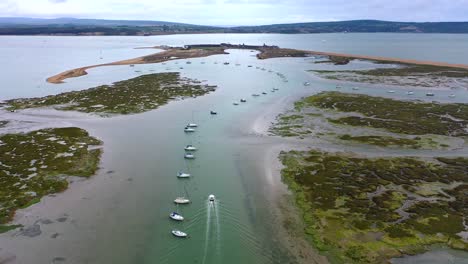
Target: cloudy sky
column 241, row 12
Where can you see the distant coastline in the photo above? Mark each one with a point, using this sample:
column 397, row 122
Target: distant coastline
column 98, row 27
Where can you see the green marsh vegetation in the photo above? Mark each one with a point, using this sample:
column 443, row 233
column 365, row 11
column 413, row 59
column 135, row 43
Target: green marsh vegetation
column 404, row 74
column 365, row 210
column 415, row 118
column 37, row 163
column 140, row 94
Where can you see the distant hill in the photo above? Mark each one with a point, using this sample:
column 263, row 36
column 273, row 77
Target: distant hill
column 359, row 26
column 74, row 26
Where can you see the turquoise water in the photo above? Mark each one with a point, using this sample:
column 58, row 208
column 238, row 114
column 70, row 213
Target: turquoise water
column 123, row 218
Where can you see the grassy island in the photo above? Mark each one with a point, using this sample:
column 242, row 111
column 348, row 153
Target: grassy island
column 140, row 94
column 404, row 74
column 404, row 117
column 364, row 210
column 37, row 163
column 379, row 121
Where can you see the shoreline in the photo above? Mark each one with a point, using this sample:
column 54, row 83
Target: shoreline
column 169, row 54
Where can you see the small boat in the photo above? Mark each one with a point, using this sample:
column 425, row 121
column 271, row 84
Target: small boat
column 131, row 65
column 226, row 63
column 306, row 83
column 355, row 88
column 190, row 148
column 192, row 125
column 410, row 93
column 429, row 94
column 183, row 175
column 211, row 198
column 243, row 100
column 213, row 113
column 176, row 216
column 181, row 68
column 179, row 233
column 181, row 200
column 391, row 91
column 235, row 103
column 188, row 62
column 189, row 129
column 189, row 156
column 250, row 66
column 255, row 95
column 264, row 93
column 452, row 96
column 276, row 89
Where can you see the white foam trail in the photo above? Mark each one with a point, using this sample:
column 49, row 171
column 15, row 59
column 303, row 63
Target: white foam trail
column 207, row 233
column 218, row 228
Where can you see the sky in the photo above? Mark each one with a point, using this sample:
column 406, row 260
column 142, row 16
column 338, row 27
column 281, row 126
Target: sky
column 241, row 12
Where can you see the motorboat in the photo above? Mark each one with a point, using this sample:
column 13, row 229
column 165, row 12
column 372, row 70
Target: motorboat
column 410, row 93
column 213, row 113
column 183, row 175
column 243, row 100
column 181, row 200
column 190, row 148
column 192, row 125
column 189, row 129
column 429, row 94
column 391, row 91
column 211, row 198
column 179, row 233
column 189, row 156
column 176, row 216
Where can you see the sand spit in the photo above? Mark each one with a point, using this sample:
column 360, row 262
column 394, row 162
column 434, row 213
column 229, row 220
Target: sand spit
column 205, row 50
column 166, row 55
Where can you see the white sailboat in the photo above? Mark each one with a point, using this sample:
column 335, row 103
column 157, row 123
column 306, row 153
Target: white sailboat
column 189, row 129
column 179, row 233
column 190, row 148
column 189, row 156
column 181, row 200
column 192, row 125
column 176, row 216
column 181, row 174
